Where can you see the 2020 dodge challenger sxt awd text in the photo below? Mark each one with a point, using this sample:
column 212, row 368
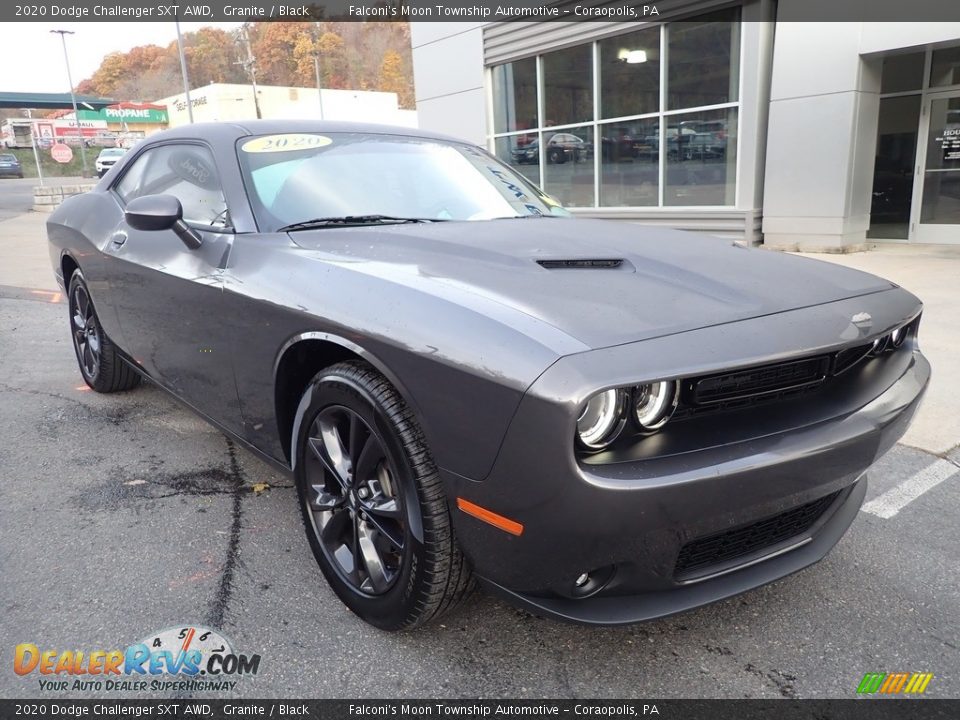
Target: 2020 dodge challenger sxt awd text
column 602, row 422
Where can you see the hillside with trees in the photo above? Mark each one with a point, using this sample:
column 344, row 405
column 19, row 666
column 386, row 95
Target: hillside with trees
column 352, row 55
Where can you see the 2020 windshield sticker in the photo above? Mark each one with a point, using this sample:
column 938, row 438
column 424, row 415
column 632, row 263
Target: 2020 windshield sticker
column 188, row 658
column 287, row 142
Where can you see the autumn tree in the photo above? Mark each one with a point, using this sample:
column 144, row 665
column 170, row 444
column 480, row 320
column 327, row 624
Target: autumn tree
column 352, row 55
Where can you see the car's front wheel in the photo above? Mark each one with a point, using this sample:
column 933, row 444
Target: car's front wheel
column 98, row 357
column 372, row 502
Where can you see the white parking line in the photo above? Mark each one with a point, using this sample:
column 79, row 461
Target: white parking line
column 895, row 500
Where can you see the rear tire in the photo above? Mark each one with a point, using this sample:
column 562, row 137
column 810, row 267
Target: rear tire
column 98, row 358
column 372, row 502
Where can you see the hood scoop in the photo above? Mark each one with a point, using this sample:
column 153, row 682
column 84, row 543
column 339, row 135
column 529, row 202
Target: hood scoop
column 581, row 264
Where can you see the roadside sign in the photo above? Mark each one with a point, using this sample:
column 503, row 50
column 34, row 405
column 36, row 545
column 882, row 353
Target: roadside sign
column 61, row 153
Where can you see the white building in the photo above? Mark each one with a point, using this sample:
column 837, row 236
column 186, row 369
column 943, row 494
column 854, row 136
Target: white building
column 224, row 101
column 718, row 117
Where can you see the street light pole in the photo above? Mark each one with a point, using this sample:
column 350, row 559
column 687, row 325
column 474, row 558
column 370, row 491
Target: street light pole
column 76, row 115
column 183, row 71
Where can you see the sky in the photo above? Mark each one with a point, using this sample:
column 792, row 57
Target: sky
column 31, row 57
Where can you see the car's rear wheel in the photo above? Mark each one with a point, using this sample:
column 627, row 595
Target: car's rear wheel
column 372, row 502
column 98, row 357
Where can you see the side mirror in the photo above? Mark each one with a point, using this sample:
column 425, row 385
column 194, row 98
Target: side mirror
column 161, row 212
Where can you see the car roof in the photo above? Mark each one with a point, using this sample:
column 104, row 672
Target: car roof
column 231, row 131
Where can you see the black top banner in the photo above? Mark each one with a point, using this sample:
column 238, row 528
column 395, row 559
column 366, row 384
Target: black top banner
column 181, row 709
column 461, row 10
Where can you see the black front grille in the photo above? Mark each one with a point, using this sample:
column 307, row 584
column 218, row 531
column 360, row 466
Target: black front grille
column 746, row 540
column 761, row 380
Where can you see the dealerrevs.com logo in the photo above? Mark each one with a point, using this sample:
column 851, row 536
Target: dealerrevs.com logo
column 188, row 658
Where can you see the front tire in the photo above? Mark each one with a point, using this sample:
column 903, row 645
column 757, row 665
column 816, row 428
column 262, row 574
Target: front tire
column 98, row 357
column 372, row 501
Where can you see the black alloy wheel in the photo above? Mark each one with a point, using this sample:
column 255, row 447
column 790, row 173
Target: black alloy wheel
column 356, row 509
column 372, row 501
column 99, row 359
column 86, row 332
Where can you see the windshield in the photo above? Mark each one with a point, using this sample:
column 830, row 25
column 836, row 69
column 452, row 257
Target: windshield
column 8, row 158
column 112, row 152
column 292, row 178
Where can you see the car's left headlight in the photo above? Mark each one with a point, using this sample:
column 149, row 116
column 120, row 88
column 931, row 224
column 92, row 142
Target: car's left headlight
column 654, row 403
column 601, row 419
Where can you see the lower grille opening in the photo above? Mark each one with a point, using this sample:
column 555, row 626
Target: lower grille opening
column 702, row 554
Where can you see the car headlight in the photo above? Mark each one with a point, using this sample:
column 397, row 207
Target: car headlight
column 601, row 419
column 880, row 345
column 654, row 403
column 898, row 336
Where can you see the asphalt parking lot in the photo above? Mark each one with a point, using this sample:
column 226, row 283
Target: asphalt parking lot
column 122, row 515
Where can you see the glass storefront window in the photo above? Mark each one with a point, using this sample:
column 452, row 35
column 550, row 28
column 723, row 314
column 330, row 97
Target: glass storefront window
column 515, row 96
column 701, row 152
column 630, row 163
column 522, row 153
column 630, row 74
column 568, row 86
column 569, row 165
column 945, row 67
column 902, row 73
column 703, row 60
column 597, row 139
column 893, row 167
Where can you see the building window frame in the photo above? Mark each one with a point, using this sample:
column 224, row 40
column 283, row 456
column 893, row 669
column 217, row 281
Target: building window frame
column 661, row 114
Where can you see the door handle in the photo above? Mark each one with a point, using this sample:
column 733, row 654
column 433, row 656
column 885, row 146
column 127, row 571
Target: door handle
column 118, row 239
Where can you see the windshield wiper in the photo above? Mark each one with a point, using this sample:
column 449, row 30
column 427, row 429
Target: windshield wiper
column 353, row 220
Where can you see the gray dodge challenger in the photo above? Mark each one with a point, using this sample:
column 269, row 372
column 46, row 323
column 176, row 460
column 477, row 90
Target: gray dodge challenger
column 598, row 421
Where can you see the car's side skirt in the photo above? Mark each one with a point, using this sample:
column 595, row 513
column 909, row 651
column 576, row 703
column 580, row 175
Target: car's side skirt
column 273, row 462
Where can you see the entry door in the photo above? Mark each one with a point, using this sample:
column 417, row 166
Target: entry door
column 936, row 214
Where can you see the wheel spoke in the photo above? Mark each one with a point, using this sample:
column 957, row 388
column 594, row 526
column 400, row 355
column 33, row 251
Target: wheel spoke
column 317, row 448
column 324, row 501
column 94, row 342
column 79, row 322
column 369, row 456
column 332, row 532
column 384, row 506
column 385, row 527
column 87, row 358
column 334, row 449
column 359, row 437
column 355, row 550
column 78, row 302
column 371, row 560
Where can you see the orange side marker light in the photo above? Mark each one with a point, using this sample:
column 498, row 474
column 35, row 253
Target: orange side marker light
column 488, row 516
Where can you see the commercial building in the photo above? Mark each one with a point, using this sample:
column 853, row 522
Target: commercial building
column 716, row 116
column 225, row 101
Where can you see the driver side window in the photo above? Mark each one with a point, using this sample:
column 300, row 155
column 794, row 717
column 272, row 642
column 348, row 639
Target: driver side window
column 185, row 171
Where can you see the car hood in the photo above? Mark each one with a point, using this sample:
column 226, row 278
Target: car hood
column 666, row 281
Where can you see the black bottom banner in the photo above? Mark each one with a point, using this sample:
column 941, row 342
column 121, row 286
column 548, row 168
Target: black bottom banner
column 861, row 709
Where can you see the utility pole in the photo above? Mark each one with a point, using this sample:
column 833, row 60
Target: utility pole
column 183, row 71
column 316, row 65
column 76, row 115
column 250, row 65
column 33, row 144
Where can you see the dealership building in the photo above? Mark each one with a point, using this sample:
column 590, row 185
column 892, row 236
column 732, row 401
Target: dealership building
column 716, row 116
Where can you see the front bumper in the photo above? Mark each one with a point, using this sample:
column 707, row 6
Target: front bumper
column 632, row 518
